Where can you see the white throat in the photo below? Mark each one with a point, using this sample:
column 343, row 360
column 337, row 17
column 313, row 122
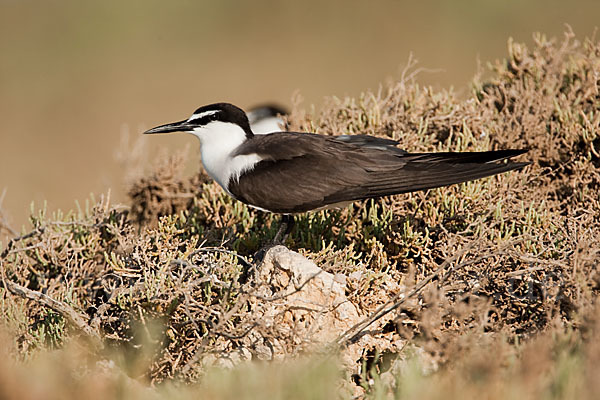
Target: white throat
column 218, row 141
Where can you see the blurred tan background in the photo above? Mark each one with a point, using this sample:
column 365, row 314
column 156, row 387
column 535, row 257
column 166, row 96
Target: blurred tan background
column 76, row 76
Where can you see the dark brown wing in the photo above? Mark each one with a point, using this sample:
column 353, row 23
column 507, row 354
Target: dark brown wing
column 306, row 171
column 371, row 141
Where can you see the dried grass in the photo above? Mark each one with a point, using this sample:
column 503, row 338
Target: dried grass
column 167, row 281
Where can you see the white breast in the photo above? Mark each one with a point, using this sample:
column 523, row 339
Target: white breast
column 218, row 141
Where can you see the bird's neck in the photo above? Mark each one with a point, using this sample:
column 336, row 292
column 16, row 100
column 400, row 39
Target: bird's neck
column 218, row 142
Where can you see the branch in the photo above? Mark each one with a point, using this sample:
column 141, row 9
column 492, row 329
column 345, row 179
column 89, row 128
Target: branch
column 354, row 332
column 67, row 312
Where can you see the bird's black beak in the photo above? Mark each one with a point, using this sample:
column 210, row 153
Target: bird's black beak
column 181, row 126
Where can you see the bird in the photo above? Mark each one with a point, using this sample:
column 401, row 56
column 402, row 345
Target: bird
column 266, row 118
column 295, row 172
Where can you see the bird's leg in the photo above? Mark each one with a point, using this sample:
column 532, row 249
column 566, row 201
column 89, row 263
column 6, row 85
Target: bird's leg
column 285, row 227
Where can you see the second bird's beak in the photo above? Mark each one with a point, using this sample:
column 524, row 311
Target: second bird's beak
column 181, row 126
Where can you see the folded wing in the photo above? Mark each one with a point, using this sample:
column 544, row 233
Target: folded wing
column 306, row 171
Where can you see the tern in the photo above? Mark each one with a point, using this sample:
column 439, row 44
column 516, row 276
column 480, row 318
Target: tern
column 292, row 172
column 266, row 118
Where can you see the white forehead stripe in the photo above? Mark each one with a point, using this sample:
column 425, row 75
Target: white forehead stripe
column 204, row 114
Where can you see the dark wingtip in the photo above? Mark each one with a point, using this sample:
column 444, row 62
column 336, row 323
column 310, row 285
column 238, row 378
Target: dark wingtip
column 513, row 153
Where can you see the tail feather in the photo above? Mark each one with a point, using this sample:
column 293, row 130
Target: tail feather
column 424, row 171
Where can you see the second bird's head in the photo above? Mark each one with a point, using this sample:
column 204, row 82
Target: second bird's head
column 211, row 122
